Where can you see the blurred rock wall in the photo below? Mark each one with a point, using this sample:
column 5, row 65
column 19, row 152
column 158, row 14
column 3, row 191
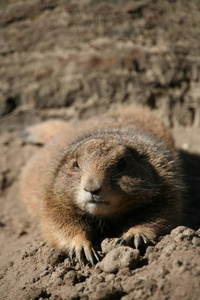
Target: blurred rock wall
column 76, row 58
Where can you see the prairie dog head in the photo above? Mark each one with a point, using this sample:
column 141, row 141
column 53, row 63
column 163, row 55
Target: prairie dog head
column 104, row 176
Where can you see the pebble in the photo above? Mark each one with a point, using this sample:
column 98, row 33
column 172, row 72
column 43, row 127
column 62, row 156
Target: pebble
column 110, row 277
column 169, row 249
column 70, row 278
column 178, row 230
column 189, row 232
column 108, row 244
column 151, row 253
column 119, row 258
column 196, row 241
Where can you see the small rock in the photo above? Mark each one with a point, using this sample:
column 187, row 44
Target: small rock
column 152, row 256
column 118, row 258
column 71, row 278
column 163, row 272
column 109, row 277
column 151, row 253
column 46, row 272
column 124, row 271
column 11, row 263
column 178, row 230
column 86, row 273
column 189, row 232
column 180, row 233
column 44, row 268
column 150, row 284
column 177, row 262
column 196, row 241
column 35, row 279
column 107, row 291
column 80, row 287
column 95, row 280
column 55, row 257
column 54, row 275
column 169, row 249
column 108, row 244
column 179, row 238
column 58, row 281
column 149, row 250
column 68, row 264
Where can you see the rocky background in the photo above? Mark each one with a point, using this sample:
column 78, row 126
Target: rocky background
column 75, row 59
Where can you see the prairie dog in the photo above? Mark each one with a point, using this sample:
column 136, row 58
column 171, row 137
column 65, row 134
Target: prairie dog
column 117, row 174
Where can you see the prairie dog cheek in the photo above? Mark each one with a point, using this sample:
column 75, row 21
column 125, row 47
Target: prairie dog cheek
column 86, row 202
column 105, row 206
column 82, row 198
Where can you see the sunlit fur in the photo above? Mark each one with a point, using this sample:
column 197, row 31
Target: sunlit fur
column 119, row 170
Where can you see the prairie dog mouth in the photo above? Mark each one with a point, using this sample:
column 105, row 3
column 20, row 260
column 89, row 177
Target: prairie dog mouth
column 97, row 201
column 92, row 203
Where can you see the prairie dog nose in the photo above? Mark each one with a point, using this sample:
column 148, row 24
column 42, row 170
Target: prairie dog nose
column 93, row 186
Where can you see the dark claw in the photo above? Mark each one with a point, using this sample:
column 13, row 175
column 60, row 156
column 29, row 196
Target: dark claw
column 84, row 255
column 96, row 255
column 78, row 256
column 91, row 260
column 145, row 239
column 72, row 254
column 92, row 256
column 121, row 242
column 137, row 241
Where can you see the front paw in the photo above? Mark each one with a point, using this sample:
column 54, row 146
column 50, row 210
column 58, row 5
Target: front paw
column 82, row 248
column 137, row 237
column 137, row 240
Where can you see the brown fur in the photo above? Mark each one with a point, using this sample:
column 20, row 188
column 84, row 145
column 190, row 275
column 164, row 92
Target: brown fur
column 117, row 174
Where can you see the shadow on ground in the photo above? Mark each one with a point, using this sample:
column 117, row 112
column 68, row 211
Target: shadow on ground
column 191, row 166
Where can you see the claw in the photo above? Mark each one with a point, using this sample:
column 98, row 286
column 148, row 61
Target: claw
column 120, row 242
column 78, row 256
column 145, row 239
column 123, row 242
column 137, row 241
column 83, row 251
column 95, row 255
column 117, row 242
column 91, row 256
column 91, row 260
column 72, row 254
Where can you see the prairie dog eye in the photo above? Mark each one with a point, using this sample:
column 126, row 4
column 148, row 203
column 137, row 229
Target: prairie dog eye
column 76, row 165
column 122, row 164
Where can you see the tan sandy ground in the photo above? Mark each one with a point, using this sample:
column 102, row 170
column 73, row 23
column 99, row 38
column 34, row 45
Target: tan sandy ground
column 73, row 59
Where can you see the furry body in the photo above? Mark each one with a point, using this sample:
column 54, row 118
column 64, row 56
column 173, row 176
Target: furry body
column 116, row 175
